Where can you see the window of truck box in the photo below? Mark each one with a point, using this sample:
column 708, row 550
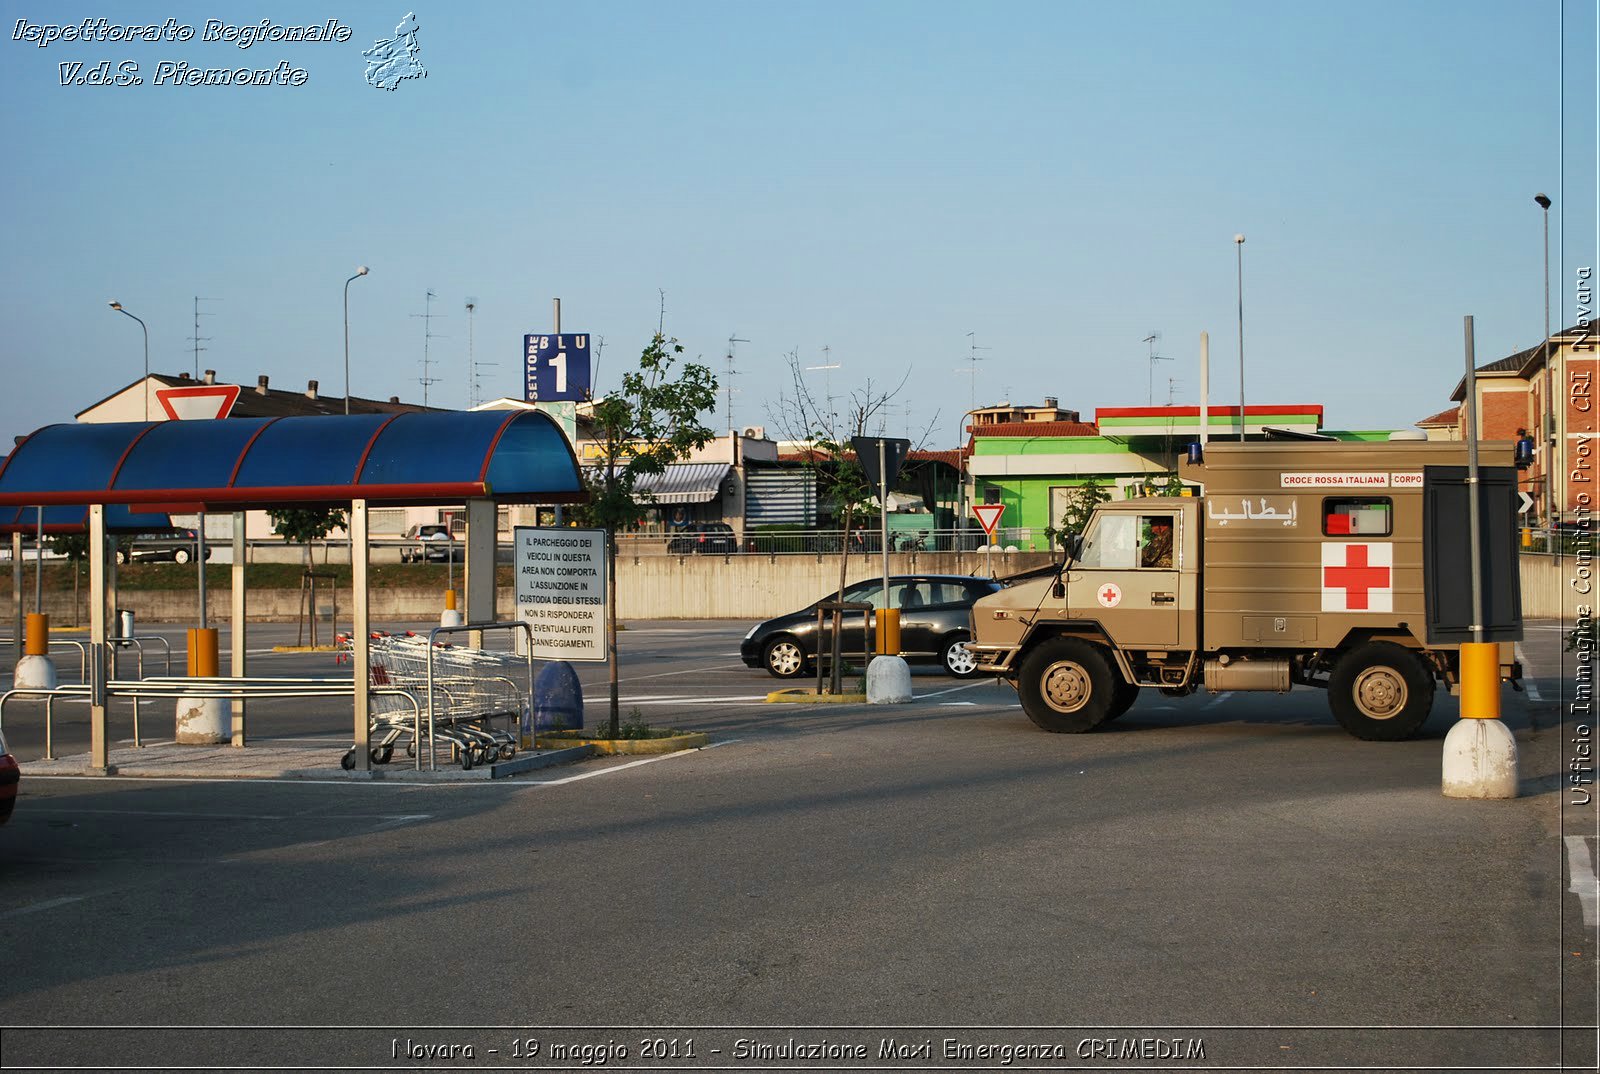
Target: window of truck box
column 1357, row 516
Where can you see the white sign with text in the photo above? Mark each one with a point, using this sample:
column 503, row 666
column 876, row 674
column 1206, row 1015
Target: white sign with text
column 561, row 591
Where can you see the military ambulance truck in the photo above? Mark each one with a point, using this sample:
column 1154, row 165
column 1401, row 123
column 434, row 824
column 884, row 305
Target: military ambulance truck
column 1337, row 565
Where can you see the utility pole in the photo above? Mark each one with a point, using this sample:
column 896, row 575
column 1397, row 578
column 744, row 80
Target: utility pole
column 197, row 338
column 427, row 338
column 728, row 389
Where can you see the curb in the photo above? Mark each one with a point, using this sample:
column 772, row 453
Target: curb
column 614, row 747
column 800, row 696
column 452, row 773
column 305, row 648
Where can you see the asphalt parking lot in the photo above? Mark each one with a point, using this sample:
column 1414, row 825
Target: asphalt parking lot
column 1230, row 869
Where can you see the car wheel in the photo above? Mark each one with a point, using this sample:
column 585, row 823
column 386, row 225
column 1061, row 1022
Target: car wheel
column 783, row 657
column 181, row 556
column 1380, row 692
column 122, row 557
column 1066, row 685
column 958, row 659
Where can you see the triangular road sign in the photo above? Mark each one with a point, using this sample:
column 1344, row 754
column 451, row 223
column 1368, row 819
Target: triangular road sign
column 989, row 516
column 198, row 401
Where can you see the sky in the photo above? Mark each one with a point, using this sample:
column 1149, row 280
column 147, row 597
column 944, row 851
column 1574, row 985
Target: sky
column 1060, row 180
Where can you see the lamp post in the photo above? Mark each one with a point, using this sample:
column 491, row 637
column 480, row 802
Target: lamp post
column 1549, row 416
column 360, row 272
column 144, row 385
column 1238, row 245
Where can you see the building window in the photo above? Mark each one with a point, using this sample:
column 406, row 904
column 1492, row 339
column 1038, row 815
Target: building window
column 1357, row 516
column 991, row 495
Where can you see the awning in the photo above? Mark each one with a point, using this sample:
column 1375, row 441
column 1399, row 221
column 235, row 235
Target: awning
column 684, row 482
column 237, row 463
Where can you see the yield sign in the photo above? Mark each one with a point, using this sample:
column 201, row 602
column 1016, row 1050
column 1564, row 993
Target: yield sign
column 198, row 401
column 989, row 516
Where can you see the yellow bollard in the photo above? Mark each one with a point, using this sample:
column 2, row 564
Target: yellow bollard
column 888, row 632
column 36, row 640
column 203, row 653
column 1480, row 681
column 1527, row 537
column 449, row 600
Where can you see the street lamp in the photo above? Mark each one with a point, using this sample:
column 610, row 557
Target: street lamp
column 144, row 385
column 1549, row 415
column 1238, row 245
column 360, row 272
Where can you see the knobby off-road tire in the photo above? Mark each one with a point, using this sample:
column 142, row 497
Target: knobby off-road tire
column 1380, row 692
column 1067, row 685
column 1123, row 695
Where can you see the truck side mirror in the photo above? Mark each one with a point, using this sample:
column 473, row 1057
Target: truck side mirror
column 1059, row 590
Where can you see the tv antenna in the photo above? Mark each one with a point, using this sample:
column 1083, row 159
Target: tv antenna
column 826, row 368
column 197, row 338
column 972, row 369
column 474, row 381
column 1150, row 392
column 427, row 337
column 728, row 389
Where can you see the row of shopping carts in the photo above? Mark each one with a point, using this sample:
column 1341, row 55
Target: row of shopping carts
column 473, row 704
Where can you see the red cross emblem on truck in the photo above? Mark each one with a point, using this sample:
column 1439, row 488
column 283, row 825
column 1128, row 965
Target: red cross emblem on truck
column 1357, row 577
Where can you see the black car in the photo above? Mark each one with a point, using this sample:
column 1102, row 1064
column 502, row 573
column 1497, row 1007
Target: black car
column 710, row 538
column 180, row 546
column 935, row 625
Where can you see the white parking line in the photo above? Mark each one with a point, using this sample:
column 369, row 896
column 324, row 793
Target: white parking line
column 620, row 767
column 1527, row 674
column 956, row 689
column 1220, row 698
column 48, row 904
column 1584, row 883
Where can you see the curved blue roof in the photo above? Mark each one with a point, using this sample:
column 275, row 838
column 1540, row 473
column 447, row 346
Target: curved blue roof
column 414, row 458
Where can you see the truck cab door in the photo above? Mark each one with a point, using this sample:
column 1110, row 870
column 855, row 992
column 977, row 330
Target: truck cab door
column 1126, row 577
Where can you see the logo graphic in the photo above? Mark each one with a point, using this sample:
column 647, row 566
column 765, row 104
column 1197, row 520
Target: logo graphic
column 391, row 62
column 1110, row 595
column 1357, row 577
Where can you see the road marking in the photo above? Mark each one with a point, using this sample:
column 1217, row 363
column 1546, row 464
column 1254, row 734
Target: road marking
column 956, row 689
column 620, row 767
column 156, row 813
column 957, row 704
column 395, row 822
column 48, row 904
column 1220, row 698
column 668, row 700
column 1527, row 671
column 1584, row 883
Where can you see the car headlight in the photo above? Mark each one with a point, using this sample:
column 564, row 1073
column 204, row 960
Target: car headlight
column 752, row 633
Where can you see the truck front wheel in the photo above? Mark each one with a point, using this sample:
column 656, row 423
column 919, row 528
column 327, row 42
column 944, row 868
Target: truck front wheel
column 1067, row 685
column 1380, row 692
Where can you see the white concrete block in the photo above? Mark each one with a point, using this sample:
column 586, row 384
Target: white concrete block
column 450, row 617
column 35, row 673
column 203, row 721
column 888, row 681
column 1480, row 760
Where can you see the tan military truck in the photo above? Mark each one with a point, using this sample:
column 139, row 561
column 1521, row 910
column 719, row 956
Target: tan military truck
column 1336, row 565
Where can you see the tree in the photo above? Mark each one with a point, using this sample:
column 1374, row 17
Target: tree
column 75, row 546
column 1080, row 505
column 644, row 428
column 302, row 525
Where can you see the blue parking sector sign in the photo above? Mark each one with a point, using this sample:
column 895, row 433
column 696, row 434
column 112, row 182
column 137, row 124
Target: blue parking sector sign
column 556, row 367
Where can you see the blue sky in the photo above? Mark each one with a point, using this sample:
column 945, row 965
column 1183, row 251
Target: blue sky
column 1061, row 179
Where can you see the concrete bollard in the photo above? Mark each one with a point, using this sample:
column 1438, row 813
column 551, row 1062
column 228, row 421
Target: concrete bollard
column 450, row 616
column 1480, row 753
column 202, row 721
column 36, row 671
column 888, row 681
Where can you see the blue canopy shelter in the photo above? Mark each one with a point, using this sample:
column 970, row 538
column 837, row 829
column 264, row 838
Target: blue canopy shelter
column 121, row 474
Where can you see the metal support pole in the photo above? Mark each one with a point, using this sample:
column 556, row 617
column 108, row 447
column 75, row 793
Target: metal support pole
column 883, row 516
column 1473, row 537
column 38, row 566
column 361, row 657
column 99, row 617
column 482, row 541
column 200, row 558
column 236, row 616
column 1238, row 242
column 16, row 594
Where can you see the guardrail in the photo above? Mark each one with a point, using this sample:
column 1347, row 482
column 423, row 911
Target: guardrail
column 227, row 689
column 866, row 541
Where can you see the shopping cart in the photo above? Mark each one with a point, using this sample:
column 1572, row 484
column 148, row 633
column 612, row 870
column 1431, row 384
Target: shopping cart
column 467, row 691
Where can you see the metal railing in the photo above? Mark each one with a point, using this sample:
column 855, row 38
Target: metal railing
column 866, row 541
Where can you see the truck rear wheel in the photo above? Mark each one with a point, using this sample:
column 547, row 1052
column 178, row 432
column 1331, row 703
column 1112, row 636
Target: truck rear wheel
column 1067, row 685
column 1380, row 692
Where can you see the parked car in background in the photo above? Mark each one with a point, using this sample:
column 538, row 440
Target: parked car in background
column 709, row 538
column 177, row 546
column 935, row 625
column 10, row 778
column 430, row 543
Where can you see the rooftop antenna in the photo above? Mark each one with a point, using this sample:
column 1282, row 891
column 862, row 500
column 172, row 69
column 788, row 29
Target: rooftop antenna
column 728, row 388
column 1150, row 392
column 427, row 337
column 827, row 367
column 197, row 338
column 474, row 380
column 972, row 369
